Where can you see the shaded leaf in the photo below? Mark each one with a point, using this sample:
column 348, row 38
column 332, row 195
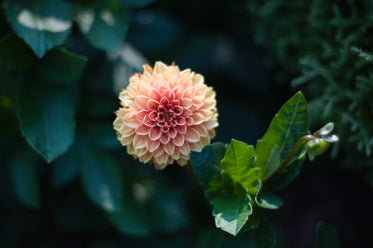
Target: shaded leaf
column 268, row 200
column 15, row 55
column 131, row 219
column 206, row 164
column 238, row 162
column 286, row 128
column 46, row 119
column 25, row 181
column 104, row 28
column 326, row 236
column 273, row 162
column 41, row 24
column 102, row 179
column 62, row 66
column 232, row 207
column 288, row 175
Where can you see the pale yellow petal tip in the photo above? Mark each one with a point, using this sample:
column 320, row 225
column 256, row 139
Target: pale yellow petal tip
column 166, row 114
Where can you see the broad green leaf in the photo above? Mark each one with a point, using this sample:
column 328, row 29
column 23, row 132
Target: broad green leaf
column 326, row 236
column 288, row 175
column 102, row 179
column 136, row 3
column 232, row 207
column 25, row 181
column 131, row 219
column 15, row 55
column 46, row 119
column 254, row 220
column 206, row 164
column 104, row 28
column 273, row 162
column 286, row 128
column 61, row 66
column 42, row 24
column 238, row 162
column 66, row 168
column 268, row 200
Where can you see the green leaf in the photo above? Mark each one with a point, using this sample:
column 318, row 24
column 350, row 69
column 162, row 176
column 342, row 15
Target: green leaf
column 25, row 181
column 46, row 119
column 206, row 164
column 288, row 175
column 66, row 168
column 131, row 219
column 273, row 162
column 286, row 128
column 104, row 28
column 15, row 55
column 41, row 24
column 232, row 207
column 268, row 200
column 102, row 179
column 62, row 66
column 238, row 162
column 326, row 236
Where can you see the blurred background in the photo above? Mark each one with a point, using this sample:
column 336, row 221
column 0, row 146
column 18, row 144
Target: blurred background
column 256, row 54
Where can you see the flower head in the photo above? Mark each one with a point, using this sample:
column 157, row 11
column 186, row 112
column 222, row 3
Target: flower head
column 166, row 113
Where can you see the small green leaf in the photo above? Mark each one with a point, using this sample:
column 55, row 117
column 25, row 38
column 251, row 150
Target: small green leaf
column 25, row 181
column 61, row 66
column 102, row 179
column 238, row 162
column 232, row 207
column 41, row 24
column 15, row 55
column 104, row 28
column 46, row 119
column 206, row 164
column 131, row 219
column 326, row 236
column 286, row 128
column 268, row 200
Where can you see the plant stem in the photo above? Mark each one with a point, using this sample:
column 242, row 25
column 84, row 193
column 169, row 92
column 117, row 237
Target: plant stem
column 304, row 139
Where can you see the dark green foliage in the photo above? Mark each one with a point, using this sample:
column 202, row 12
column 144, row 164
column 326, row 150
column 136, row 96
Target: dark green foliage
column 329, row 44
column 326, row 236
column 41, row 24
column 44, row 113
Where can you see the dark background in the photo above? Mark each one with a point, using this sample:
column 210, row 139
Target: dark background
column 214, row 38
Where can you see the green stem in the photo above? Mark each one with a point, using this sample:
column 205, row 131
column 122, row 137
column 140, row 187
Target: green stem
column 304, row 139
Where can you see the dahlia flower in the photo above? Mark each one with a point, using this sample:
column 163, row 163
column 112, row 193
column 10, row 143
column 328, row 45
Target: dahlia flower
column 166, row 113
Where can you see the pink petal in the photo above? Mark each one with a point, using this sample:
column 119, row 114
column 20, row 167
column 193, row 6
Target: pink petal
column 185, row 149
column 178, row 110
column 152, row 105
column 209, row 104
column 182, row 129
column 189, row 92
column 164, row 101
column 197, row 147
column 192, row 135
column 153, row 116
column 189, row 120
column 152, row 145
column 198, row 118
column 201, row 129
column 155, row 133
column 155, row 95
column 169, row 148
column 180, row 120
column 159, row 151
column 179, row 92
column 172, row 132
column 142, row 130
column 149, row 122
column 130, row 119
column 143, row 88
column 164, row 138
column 186, row 102
column 169, row 94
column 141, row 101
column 140, row 116
column 178, row 140
column 139, row 141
